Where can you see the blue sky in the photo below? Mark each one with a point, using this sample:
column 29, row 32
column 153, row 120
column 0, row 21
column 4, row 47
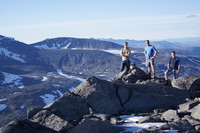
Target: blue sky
column 35, row 20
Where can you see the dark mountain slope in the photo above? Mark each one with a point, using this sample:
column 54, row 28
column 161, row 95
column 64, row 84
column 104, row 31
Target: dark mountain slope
column 75, row 43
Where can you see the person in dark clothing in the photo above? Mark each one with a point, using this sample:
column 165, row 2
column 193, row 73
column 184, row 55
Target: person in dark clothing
column 173, row 66
column 125, row 53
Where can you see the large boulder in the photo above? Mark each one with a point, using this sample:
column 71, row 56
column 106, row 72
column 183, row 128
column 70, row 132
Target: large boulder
column 145, row 98
column 185, row 107
column 32, row 111
column 132, row 76
column 25, row 126
column 95, row 126
column 69, row 107
column 100, row 95
column 160, row 81
column 170, row 115
column 189, row 83
column 50, row 120
column 191, row 120
column 151, row 118
column 195, row 112
column 180, row 125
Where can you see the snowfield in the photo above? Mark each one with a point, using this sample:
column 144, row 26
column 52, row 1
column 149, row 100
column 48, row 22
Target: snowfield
column 58, row 92
column 15, row 80
column 2, row 107
column 2, row 100
column 12, row 55
column 55, row 46
column 44, row 79
column 48, row 98
column 69, row 76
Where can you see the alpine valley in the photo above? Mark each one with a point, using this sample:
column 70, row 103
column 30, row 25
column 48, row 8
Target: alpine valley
column 34, row 75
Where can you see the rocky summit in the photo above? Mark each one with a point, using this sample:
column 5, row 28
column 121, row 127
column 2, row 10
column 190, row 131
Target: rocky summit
column 95, row 106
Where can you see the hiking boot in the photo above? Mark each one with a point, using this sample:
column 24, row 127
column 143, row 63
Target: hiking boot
column 149, row 76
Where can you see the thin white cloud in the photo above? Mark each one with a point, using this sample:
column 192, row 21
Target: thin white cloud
column 167, row 19
column 191, row 16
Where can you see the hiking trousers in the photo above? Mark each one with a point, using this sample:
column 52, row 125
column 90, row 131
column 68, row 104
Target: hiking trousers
column 125, row 63
column 172, row 71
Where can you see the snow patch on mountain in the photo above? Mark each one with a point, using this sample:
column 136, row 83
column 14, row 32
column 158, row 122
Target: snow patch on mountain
column 55, row 85
column 44, row 79
column 116, row 52
column 54, row 46
column 43, row 46
column 22, row 107
column 2, row 107
column 48, row 98
column 71, row 89
column 58, row 92
column 4, row 51
column 14, row 80
column 70, row 76
column 66, row 47
column 194, row 61
column 2, row 100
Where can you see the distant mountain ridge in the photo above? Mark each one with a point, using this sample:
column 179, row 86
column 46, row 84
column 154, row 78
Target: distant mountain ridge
column 13, row 50
column 75, row 43
column 141, row 43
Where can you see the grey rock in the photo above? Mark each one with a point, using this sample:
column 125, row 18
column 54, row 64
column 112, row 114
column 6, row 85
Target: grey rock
column 114, row 120
column 170, row 115
column 153, row 129
column 32, row 111
column 197, row 128
column 195, row 112
column 145, row 98
column 160, row 81
column 51, row 121
column 151, row 118
column 191, row 120
column 180, row 125
column 102, row 117
column 189, row 83
column 100, row 95
column 188, row 105
column 134, row 74
column 95, row 126
column 121, row 74
column 69, row 107
column 25, row 126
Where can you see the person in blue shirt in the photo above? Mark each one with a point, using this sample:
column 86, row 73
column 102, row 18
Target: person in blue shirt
column 150, row 53
column 173, row 66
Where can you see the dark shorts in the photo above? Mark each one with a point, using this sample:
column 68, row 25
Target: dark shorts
column 149, row 62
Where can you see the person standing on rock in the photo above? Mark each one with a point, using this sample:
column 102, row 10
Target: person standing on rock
column 173, row 66
column 125, row 53
column 150, row 53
